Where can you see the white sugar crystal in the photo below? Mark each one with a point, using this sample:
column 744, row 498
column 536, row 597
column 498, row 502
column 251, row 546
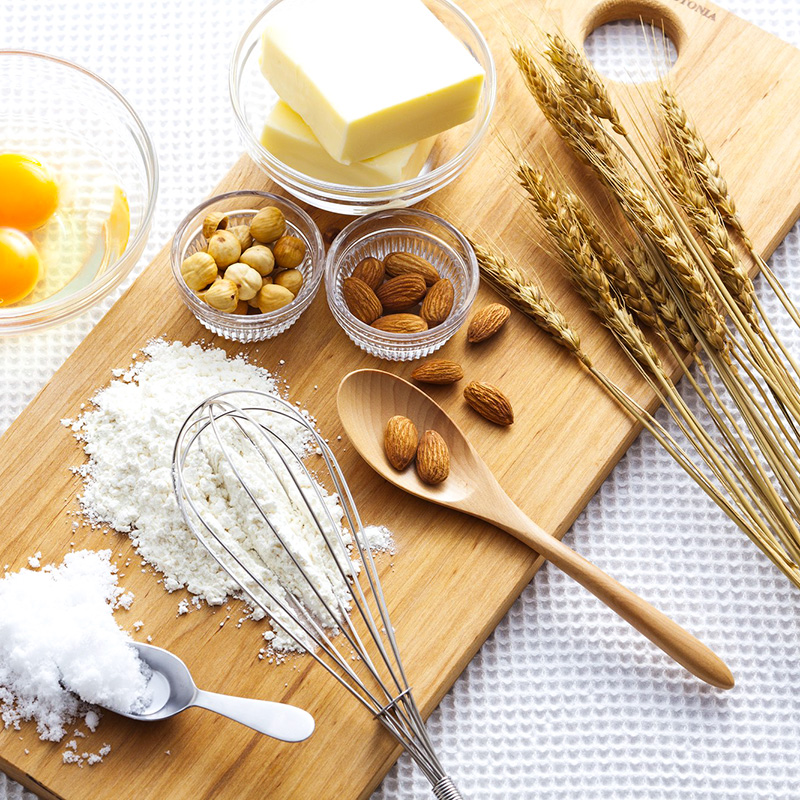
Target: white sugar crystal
column 34, row 561
column 60, row 647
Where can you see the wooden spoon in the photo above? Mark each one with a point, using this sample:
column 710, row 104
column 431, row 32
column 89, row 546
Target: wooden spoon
column 367, row 398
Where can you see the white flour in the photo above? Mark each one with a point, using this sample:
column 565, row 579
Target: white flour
column 129, row 437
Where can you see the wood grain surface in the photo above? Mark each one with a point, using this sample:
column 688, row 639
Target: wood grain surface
column 453, row 578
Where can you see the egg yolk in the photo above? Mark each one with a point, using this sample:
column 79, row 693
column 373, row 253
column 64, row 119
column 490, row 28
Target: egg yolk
column 19, row 266
column 28, row 193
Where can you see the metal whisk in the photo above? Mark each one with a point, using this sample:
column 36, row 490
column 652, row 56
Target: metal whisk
column 242, row 422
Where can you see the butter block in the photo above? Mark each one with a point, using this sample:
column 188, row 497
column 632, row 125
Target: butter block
column 290, row 140
column 369, row 76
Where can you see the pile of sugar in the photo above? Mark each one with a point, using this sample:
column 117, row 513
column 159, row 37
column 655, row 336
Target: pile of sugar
column 60, row 648
column 129, row 436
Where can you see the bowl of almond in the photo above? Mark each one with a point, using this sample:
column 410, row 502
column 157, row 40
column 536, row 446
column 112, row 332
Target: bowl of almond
column 247, row 264
column 400, row 282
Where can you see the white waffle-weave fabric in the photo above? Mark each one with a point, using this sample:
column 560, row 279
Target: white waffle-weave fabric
column 564, row 701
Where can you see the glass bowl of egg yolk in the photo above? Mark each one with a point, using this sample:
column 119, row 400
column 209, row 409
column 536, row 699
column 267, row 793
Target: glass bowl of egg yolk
column 264, row 121
column 78, row 182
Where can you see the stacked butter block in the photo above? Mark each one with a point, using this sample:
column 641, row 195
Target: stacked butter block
column 364, row 86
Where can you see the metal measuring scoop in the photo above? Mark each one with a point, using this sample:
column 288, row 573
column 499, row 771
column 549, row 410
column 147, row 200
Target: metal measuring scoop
column 173, row 690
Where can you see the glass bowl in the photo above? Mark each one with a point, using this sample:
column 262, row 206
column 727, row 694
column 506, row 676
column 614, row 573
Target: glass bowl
column 42, row 93
column 252, row 97
column 409, row 231
column 249, row 327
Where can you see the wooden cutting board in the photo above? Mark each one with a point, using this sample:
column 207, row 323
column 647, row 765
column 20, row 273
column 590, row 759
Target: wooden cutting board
column 453, row 578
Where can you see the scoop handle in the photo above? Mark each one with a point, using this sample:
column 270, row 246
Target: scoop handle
column 278, row 720
column 665, row 633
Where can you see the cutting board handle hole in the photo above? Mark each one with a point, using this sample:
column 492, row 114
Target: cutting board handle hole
column 647, row 34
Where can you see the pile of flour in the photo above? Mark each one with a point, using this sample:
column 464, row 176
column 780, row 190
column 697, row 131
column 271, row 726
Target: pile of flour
column 60, row 648
column 129, row 436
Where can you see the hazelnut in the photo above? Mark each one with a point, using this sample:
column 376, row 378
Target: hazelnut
column 291, row 279
column 241, row 307
column 215, row 221
column 268, row 225
column 198, row 270
column 289, row 252
column 224, row 248
column 247, row 280
column 260, row 258
column 242, row 233
column 223, row 295
column 272, row 297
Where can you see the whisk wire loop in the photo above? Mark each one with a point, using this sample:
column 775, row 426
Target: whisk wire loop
column 373, row 673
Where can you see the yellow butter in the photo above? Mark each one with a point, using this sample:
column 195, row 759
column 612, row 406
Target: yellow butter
column 291, row 141
column 369, row 76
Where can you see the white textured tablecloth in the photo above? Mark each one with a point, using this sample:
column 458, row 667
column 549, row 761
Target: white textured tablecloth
column 564, row 700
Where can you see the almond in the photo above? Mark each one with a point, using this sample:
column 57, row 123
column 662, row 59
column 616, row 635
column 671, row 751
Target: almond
column 401, row 292
column 438, row 303
column 371, row 271
column 405, row 263
column 361, row 300
column 433, row 458
column 439, row 370
column 400, row 441
column 400, row 323
column 487, row 322
column 489, row 402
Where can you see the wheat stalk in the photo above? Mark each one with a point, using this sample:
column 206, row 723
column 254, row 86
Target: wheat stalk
column 708, row 223
column 700, row 162
column 681, row 276
column 531, row 300
column 534, row 303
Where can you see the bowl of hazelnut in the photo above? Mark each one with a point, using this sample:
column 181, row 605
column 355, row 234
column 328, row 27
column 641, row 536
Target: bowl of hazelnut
column 247, row 264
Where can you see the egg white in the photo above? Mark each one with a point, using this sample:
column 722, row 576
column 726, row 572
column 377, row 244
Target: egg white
column 90, row 227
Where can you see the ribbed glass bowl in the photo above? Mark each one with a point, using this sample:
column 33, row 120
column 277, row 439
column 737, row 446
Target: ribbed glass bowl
column 241, row 207
column 252, row 97
column 51, row 94
column 409, row 231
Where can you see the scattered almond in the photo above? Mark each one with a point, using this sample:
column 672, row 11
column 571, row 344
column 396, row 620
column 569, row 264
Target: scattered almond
column 400, row 323
column 401, row 292
column 404, row 263
column 438, row 303
column 433, row 458
column 371, row 271
column 439, row 371
column 400, row 441
column 361, row 300
column 489, row 402
column 487, row 322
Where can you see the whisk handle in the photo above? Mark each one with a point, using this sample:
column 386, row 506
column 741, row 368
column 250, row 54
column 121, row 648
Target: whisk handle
column 648, row 620
column 445, row 789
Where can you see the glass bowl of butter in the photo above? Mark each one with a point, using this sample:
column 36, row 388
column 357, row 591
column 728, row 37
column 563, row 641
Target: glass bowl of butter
column 356, row 106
